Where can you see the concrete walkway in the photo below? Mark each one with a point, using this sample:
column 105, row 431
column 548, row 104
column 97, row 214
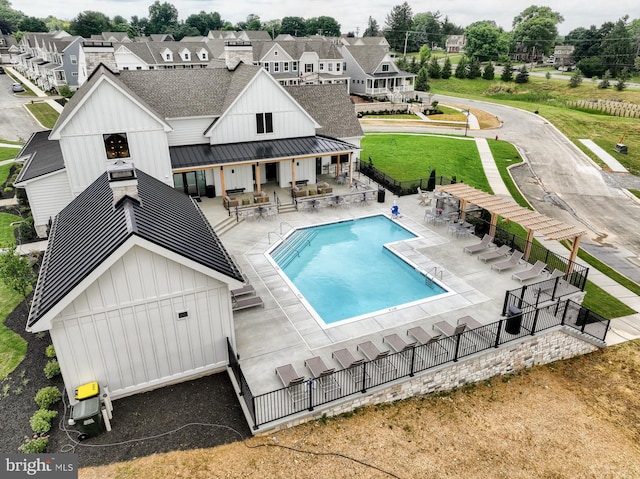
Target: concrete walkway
column 622, row 329
column 609, row 160
column 39, row 93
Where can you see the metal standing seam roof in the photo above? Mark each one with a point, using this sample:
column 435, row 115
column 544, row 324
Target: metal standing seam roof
column 42, row 156
column 195, row 156
column 552, row 228
column 88, row 230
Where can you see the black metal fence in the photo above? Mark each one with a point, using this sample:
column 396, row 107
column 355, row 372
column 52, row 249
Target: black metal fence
column 401, row 188
column 526, row 321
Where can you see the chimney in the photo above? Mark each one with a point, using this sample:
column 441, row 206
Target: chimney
column 93, row 53
column 236, row 52
column 123, row 181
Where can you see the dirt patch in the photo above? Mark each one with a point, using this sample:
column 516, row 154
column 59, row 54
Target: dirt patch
column 576, row 418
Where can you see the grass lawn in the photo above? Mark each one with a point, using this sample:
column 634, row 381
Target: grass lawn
column 5, row 169
column 8, row 153
column 12, row 347
column 46, row 115
column 6, row 230
column 408, row 157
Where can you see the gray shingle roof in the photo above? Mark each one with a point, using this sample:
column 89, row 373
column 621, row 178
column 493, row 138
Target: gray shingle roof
column 42, row 156
column 90, row 229
column 367, row 56
column 331, row 107
column 204, row 155
column 151, row 52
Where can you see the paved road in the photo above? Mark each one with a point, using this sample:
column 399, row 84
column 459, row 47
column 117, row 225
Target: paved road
column 15, row 123
column 562, row 182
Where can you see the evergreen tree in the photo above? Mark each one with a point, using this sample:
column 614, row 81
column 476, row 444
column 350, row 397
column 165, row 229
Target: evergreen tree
column 489, row 72
column 422, row 81
column 461, row 68
column 507, row 72
column 474, row 70
column 398, row 22
column 606, row 81
column 576, row 79
column 373, row 30
column 522, row 76
column 446, row 69
column 434, row 68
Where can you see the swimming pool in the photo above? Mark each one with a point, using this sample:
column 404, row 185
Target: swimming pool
column 343, row 270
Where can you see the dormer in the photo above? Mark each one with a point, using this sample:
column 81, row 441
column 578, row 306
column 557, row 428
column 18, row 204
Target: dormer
column 185, row 54
column 202, row 54
column 167, row 55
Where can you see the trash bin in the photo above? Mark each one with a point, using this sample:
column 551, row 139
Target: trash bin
column 514, row 320
column 211, row 191
column 87, row 417
column 380, row 194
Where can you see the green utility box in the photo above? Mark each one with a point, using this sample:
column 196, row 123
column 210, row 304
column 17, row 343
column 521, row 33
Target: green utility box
column 88, row 417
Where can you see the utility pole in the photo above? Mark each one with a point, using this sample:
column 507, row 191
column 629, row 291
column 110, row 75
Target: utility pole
column 406, row 37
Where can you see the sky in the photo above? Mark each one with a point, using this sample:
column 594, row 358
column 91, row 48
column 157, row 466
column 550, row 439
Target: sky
column 352, row 15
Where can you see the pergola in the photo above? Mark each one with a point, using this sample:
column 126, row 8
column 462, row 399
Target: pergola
column 532, row 221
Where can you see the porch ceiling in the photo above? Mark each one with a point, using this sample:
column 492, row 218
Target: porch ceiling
column 508, row 209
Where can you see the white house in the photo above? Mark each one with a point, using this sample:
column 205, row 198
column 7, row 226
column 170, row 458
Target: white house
column 135, row 295
column 200, row 131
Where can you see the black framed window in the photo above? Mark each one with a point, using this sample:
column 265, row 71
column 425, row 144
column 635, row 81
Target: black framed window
column 116, row 145
column 264, row 123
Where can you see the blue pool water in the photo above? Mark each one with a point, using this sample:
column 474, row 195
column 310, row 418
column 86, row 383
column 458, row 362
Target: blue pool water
column 343, row 270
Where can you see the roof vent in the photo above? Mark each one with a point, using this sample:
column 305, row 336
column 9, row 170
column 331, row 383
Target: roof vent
column 123, row 181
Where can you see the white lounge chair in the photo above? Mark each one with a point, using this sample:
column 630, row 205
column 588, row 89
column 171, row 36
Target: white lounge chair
column 536, row 270
column 510, row 262
column 495, row 254
column 485, row 243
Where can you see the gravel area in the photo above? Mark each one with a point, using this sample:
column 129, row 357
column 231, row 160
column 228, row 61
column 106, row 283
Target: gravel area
column 196, row 414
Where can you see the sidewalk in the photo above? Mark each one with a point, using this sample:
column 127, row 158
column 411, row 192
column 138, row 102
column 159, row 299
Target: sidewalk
column 622, row 329
column 39, row 93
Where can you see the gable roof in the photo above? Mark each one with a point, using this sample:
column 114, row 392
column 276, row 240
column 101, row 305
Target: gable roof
column 330, row 106
column 40, row 156
column 151, row 52
column 368, row 57
column 90, row 229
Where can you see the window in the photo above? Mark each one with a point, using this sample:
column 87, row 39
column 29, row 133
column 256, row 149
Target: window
column 308, row 67
column 138, row 68
column 264, row 123
column 74, row 60
column 276, row 67
column 385, row 68
column 322, row 67
column 286, row 66
column 116, row 145
column 186, row 57
column 266, row 66
column 330, row 67
column 295, row 66
column 337, row 67
column 344, row 67
column 125, row 68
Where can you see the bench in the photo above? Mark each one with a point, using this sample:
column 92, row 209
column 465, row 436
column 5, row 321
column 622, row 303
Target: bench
column 231, row 191
column 301, row 182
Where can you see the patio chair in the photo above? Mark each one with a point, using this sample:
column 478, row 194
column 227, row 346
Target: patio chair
column 495, row 254
column 536, row 270
column 397, row 343
column 246, row 303
column 485, row 243
column 448, row 329
column 430, row 351
column 378, row 358
column 351, row 364
column 509, row 263
column 243, row 291
column 293, row 382
column 423, row 197
column 323, row 375
column 422, row 336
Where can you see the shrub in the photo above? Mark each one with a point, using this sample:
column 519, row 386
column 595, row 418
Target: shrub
column 48, row 396
column 52, row 369
column 50, row 352
column 34, row 446
column 41, row 420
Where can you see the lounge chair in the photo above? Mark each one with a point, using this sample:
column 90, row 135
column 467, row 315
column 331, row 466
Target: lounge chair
column 485, row 242
column 252, row 302
column 351, row 364
column 427, row 355
column 470, row 322
column 397, row 343
column 536, row 270
column 243, row 291
column 378, row 358
column 323, row 375
column 495, row 254
column 293, row 382
column 556, row 273
column 422, row 336
column 448, row 329
column 511, row 262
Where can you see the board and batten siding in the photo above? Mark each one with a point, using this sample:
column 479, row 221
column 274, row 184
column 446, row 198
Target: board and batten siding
column 189, row 131
column 262, row 96
column 48, row 195
column 124, row 332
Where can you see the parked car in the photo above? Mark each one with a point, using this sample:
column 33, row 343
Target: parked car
column 16, row 88
column 2, row 72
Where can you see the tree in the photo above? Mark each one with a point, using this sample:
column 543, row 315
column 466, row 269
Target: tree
column 522, row 76
column 617, row 49
column 427, row 29
column 606, row 81
column 162, row 17
column 586, row 43
column 295, row 26
column 398, row 23
column 9, row 18
column 446, row 69
column 251, row 23
column 89, row 23
column 536, row 28
column 32, row 24
column 461, row 68
column 576, row 79
column 507, row 72
column 482, row 40
column 624, row 76
column 474, row 70
column 323, row 26
column 372, row 30
column 434, row 69
column 204, row 22
column 489, row 72
column 422, row 80
column 592, row 67
column 16, row 272
column 273, row 27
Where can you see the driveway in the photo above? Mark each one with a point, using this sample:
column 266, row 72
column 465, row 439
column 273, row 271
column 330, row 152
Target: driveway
column 560, row 181
column 16, row 124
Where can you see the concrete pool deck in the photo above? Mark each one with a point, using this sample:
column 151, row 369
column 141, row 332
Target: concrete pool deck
column 284, row 331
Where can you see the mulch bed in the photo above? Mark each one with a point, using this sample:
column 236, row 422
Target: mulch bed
column 141, row 424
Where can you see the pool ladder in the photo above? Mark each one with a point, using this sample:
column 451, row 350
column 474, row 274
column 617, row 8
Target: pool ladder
column 433, row 273
column 292, row 249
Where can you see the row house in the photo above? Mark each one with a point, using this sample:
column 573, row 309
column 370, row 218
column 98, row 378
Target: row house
column 8, row 48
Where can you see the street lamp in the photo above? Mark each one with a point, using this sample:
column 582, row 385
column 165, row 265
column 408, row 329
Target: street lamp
column 466, row 123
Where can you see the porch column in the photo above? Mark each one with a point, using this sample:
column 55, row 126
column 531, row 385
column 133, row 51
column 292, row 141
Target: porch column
column 494, row 221
column 350, row 169
column 463, row 209
column 224, row 189
column 338, row 167
column 293, row 172
column 258, row 177
column 574, row 252
column 527, row 248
